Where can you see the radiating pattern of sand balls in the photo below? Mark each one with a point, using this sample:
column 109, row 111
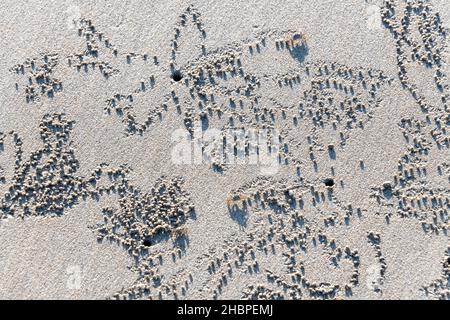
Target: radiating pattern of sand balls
column 288, row 224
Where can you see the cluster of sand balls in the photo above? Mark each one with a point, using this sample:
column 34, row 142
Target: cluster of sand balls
column 439, row 289
column 283, row 197
column 260, row 292
column 139, row 224
column 144, row 218
column 278, row 224
column 426, row 50
column 45, row 184
column 90, row 57
column 340, row 96
column 375, row 240
column 201, row 79
column 39, row 77
column 410, row 193
column 122, row 106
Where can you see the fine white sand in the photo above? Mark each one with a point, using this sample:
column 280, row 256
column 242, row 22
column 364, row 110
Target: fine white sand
column 105, row 106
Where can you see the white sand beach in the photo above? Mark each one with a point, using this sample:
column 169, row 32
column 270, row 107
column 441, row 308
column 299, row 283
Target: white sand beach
column 225, row 150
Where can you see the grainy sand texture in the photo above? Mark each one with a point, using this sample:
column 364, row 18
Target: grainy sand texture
column 186, row 149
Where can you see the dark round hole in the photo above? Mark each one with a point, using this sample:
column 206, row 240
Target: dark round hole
column 329, row 182
column 177, row 76
column 387, row 191
column 147, row 242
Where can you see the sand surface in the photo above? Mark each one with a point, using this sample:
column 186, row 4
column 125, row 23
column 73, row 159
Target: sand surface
column 223, row 150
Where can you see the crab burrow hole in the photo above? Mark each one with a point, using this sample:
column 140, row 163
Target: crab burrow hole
column 177, row 76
